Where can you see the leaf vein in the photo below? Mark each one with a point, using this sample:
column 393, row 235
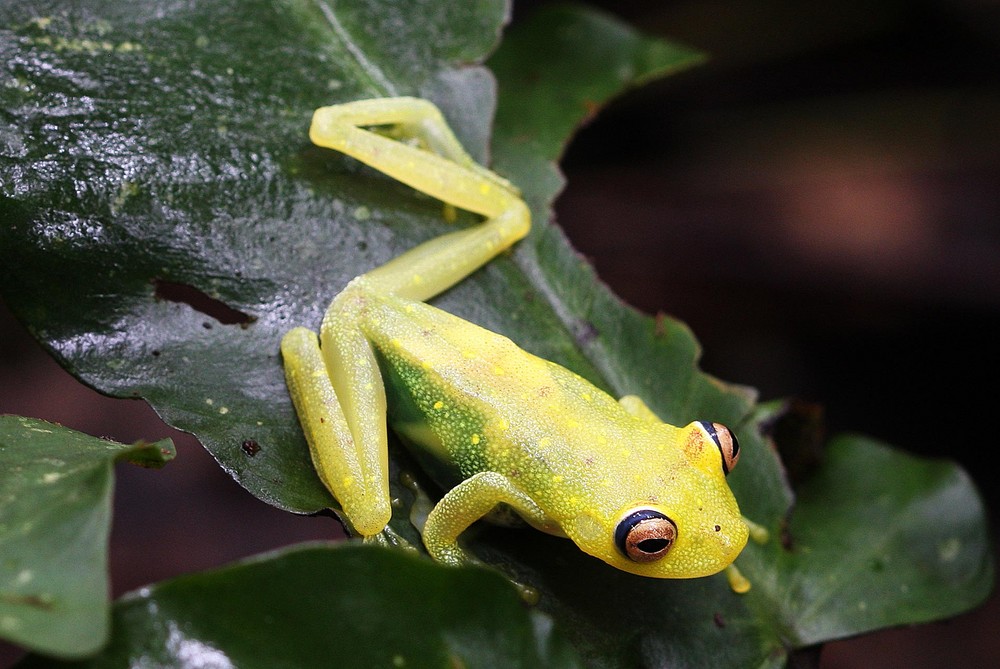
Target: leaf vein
column 374, row 73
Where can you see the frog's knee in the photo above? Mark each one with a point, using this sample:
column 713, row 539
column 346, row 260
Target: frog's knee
column 298, row 351
column 518, row 218
column 326, row 128
column 296, row 337
column 369, row 520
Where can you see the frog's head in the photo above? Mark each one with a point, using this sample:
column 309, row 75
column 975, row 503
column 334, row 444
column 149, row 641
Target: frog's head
column 689, row 527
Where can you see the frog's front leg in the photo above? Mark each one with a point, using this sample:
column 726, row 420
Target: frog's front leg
column 469, row 501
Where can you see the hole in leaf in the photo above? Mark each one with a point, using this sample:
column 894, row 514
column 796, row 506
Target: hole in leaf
column 200, row 302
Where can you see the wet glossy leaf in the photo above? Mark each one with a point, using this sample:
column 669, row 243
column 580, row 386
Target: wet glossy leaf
column 878, row 538
column 165, row 218
column 317, row 606
column 175, row 191
column 55, row 515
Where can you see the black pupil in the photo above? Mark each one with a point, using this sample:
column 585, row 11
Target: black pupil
column 653, row 545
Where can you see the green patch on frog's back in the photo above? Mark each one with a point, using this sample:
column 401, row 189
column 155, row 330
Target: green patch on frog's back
column 438, row 429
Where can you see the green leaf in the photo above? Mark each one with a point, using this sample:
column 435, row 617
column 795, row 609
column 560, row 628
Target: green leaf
column 317, row 606
column 878, row 538
column 166, row 221
column 165, row 218
column 55, row 515
column 555, row 73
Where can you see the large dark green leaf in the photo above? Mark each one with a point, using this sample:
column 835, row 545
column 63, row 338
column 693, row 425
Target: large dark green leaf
column 317, row 606
column 166, row 222
column 156, row 149
column 55, row 515
column 879, row 538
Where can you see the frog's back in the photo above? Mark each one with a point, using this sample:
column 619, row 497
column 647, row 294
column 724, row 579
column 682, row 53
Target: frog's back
column 476, row 402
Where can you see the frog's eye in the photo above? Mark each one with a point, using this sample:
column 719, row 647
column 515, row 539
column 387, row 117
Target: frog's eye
column 726, row 441
column 645, row 535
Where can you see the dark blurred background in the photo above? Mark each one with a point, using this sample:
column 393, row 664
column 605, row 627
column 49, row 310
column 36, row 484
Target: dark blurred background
column 819, row 202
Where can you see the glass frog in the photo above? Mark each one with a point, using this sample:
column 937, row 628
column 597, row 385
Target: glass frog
column 495, row 426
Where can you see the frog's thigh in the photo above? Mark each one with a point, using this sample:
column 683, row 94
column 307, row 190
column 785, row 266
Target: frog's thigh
column 335, row 452
column 438, row 264
column 466, row 503
column 353, row 370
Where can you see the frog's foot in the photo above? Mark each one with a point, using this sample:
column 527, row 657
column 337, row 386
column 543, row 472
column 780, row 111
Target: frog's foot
column 422, row 504
column 420, row 512
column 389, row 538
column 737, row 581
column 466, row 503
column 758, row 533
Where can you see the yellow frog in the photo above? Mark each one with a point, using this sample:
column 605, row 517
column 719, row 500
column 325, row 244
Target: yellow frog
column 493, row 424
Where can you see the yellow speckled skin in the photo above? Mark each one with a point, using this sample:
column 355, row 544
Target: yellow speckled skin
column 497, row 424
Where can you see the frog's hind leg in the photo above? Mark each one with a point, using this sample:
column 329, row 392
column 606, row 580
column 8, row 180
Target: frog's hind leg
column 437, row 166
column 349, row 453
column 335, row 381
